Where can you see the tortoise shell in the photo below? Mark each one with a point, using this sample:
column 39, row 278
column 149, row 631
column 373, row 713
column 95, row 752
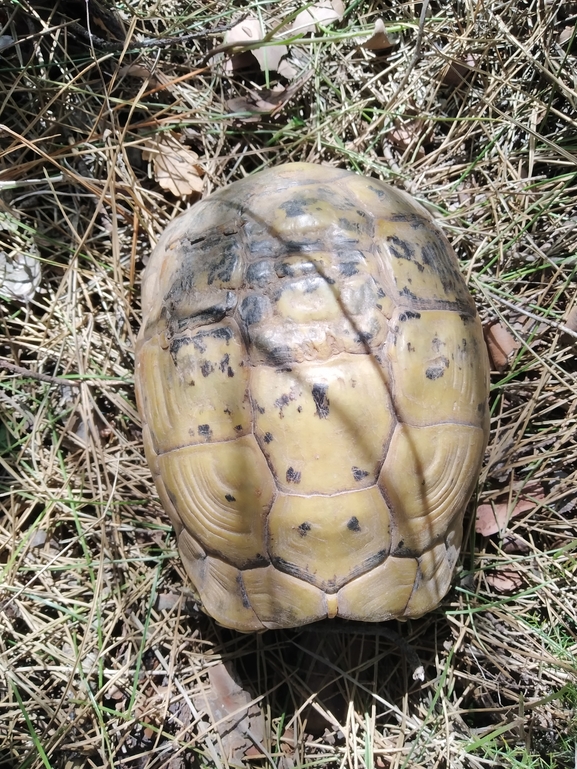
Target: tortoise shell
column 313, row 380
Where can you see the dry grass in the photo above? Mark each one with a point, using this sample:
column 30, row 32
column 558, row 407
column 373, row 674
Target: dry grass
column 103, row 654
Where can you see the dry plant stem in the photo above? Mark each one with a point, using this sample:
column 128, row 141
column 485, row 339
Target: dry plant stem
column 25, row 372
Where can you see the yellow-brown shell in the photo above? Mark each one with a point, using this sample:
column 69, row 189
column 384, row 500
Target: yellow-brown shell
column 313, row 381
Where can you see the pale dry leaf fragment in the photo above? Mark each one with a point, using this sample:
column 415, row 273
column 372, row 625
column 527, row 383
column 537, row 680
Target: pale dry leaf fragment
column 501, row 345
column 238, row 721
column 175, row 166
column 379, row 40
column 324, row 12
column 406, row 135
column 567, row 34
column 20, row 269
column 249, row 30
column 270, row 58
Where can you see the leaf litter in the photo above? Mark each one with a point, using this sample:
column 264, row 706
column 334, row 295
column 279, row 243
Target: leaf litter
column 175, row 166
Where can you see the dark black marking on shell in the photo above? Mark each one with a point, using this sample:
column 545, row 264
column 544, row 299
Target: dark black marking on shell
column 406, row 291
column 281, row 402
column 278, row 356
column 206, row 368
column 437, row 343
column 311, row 285
column 285, row 269
column 304, row 528
column 242, row 591
column 346, row 224
column 437, row 255
column 348, row 268
column 437, row 371
column 409, row 315
column 353, row 524
column 402, row 249
column 229, row 498
column 253, row 308
column 296, row 206
column 224, row 333
column 205, row 431
column 359, row 474
column 267, row 437
column 305, row 245
column 329, row 585
column 415, row 220
column 177, row 321
column 320, row 397
column 259, row 273
column 293, row 476
column 224, row 268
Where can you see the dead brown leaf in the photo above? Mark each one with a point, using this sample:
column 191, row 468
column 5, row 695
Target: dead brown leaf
column 263, row 102
column 505, row 581
column 408, row 134
column 494, row 518
column 139, row 71
column 239, row 723
column 379, row 40
column 457, row 71
column 324, row 12
column 175, row 166
column 571, row 319
column 501, row 345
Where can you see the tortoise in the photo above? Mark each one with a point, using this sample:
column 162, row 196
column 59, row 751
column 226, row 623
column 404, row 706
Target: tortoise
column 313, row 380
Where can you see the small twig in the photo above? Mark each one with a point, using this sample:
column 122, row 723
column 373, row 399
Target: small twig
column 148, row 42
column 6, row 364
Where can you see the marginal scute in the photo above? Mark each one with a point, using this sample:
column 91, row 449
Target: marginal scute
column 380, row 594
column 434, row 359
column 222, row 493
column 219, row 586
column 427, row 477
column 419, row 266
column 432, row 582
column 329, row 540
column 281, row 600
column 313, row 381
